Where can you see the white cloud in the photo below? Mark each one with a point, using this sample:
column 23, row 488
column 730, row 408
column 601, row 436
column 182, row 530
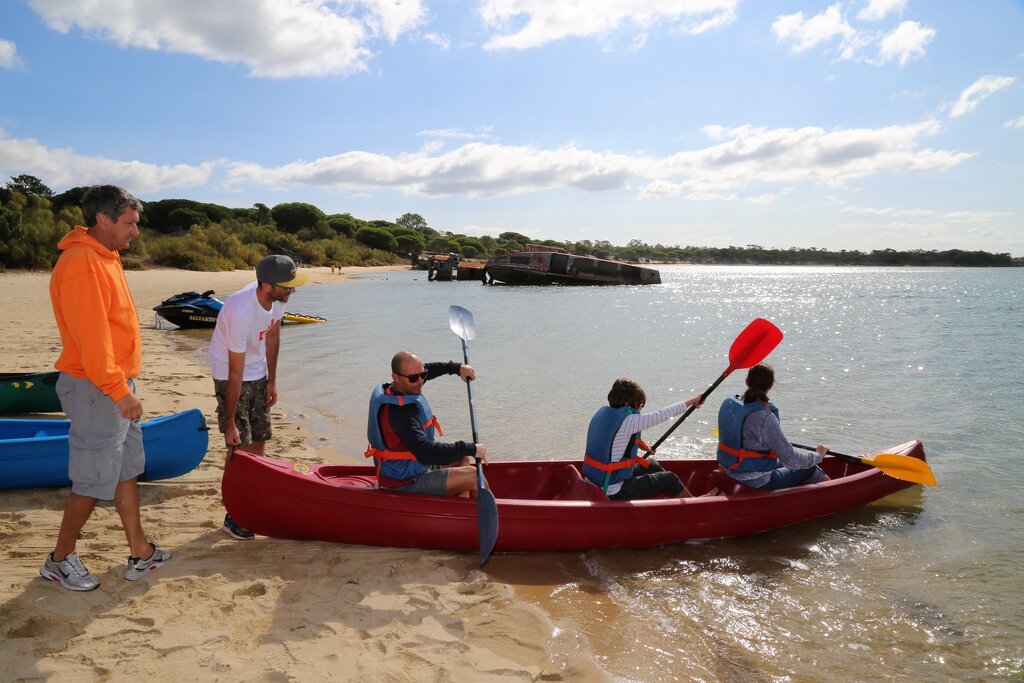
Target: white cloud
column 475, row 169
column 931, row 214
column 902, row 44
column 744, row 156
column 390, row 18
column 483, row 133
column 273, row 38
column 437, row 39
column 906, row 42
column 524, row 24
column 64, row 167
column 978, row 91
column 912, row 227
column 761, row 200
column 807, row 33
column 1015, row 123
column 786, row 155
column 877, row 10
column 8, row 55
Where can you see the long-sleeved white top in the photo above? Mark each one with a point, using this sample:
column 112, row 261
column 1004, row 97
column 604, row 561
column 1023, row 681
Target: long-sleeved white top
column 637, row 422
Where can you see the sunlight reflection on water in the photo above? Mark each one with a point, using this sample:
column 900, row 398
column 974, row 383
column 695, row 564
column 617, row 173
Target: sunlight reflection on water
column 922, row 586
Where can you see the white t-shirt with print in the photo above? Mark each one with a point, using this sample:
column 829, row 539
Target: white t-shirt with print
column 242, row 325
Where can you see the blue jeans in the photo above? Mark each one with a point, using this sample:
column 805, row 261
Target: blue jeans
column 784, row 478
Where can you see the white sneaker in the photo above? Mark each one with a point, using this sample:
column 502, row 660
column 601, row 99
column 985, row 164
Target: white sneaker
column 137, row 567
column 70, row 571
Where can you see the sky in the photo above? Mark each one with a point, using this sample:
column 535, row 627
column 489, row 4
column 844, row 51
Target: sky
column 861, row 124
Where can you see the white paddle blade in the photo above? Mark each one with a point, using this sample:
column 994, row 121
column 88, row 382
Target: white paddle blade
column 461, row 322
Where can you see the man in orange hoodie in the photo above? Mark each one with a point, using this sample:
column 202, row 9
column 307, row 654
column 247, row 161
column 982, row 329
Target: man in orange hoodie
column 101, row 356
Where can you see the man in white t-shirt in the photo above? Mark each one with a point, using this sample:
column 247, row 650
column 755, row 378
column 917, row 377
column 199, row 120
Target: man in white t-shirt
column 243, row 358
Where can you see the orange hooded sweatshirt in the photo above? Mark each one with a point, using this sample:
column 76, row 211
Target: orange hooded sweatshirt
column 95, row 314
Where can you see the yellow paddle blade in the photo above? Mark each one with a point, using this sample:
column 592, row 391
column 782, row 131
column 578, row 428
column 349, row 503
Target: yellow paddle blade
column 902, row 467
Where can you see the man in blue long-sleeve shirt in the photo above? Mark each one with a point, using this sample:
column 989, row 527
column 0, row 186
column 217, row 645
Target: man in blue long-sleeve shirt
column 401, row 430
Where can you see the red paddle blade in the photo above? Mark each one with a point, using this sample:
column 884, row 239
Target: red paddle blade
column 753, row 344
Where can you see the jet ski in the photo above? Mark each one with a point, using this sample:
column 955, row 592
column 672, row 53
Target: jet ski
column 190, row 309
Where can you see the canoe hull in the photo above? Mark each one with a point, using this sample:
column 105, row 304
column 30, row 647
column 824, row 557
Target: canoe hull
column 34, row 453
column 542, row 506
column 29, row 392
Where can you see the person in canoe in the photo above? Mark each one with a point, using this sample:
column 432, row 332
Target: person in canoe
column 401, row 427
column 752, row 448
column 613, row 442
column 243, row 360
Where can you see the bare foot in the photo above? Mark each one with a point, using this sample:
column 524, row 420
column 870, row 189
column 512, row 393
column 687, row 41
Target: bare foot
column 713, row 491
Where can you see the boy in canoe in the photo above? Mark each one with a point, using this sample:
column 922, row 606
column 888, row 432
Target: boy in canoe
column 613, row 443
column 401, row 427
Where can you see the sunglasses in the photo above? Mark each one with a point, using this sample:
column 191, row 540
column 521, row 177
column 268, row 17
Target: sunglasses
column 418, row 377
column 287, row 290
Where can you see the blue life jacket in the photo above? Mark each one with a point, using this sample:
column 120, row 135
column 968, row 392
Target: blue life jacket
column 732, row 456
column 397, row 466
column 597, row 462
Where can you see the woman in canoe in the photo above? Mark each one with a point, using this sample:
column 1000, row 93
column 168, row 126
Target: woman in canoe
column 613, row 441
column 752, row 448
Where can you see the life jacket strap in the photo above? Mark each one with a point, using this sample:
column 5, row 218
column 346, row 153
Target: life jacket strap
column 742, row 454
column 609, row 467
column 382, row 455
column 435, row 424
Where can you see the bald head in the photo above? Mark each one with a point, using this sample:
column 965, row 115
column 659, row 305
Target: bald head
column 402, row 359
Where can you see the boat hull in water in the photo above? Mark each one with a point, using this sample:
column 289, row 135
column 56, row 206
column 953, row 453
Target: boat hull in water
column 542, row 505
column 554, row 268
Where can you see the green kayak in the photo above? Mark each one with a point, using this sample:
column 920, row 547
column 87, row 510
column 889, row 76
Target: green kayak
column 29, row 392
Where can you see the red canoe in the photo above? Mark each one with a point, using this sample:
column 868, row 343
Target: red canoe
column 542, row 505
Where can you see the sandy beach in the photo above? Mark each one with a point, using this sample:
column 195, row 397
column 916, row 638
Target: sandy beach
column 230, row 610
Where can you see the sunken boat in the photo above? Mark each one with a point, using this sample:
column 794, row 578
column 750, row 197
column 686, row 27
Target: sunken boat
column 543, row 265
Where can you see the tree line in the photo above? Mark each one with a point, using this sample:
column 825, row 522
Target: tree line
column 183, row 233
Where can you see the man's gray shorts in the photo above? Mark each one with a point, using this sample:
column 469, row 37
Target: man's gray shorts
column 103, row 447
column 430, row 483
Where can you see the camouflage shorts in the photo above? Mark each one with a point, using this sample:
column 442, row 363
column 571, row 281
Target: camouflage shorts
column 252, row 416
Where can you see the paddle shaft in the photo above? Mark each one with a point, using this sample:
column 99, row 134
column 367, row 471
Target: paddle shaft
column 469, row 391
column 486, row 505
column 749, row 348
column 851, row 458
column 690, row 409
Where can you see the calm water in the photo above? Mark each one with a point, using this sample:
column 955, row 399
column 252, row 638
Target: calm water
column 924, row 585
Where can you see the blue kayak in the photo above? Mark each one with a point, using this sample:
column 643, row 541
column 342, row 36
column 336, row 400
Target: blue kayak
column 34, row 453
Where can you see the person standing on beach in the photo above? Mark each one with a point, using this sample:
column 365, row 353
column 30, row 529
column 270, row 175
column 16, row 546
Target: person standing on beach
column 243, row 359
column 401, row 428
column 100, row 357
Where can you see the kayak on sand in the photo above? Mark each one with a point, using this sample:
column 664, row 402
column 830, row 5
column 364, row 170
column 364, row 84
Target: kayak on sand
column 35, row 452
column 29, row 392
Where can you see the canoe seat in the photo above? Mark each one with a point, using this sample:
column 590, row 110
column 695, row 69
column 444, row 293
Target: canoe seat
column 568, row 484
column 726, row 485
